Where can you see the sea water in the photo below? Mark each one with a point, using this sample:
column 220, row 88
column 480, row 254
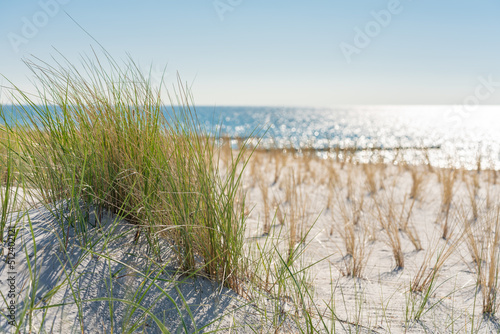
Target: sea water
column 445, row 136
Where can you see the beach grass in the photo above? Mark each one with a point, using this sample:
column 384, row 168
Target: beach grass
column 103, row 139
column 161, row 206
column 99, row 141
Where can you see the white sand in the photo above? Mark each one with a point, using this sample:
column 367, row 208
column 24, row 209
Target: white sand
column 378, row 302
column 209, row 303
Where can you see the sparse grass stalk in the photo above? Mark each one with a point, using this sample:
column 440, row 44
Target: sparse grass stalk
column 425, row 277
column 473, row 190
column 447, row 179
column 264, row 189
column 350, row 185
column 483, row 242
column 488, row 268
column 371, row 181
column 407, row 227
column 387, row 220
column 293, row 215
column 297, row 215
column 479, row 160
column 277, row 205
column 355, row 239
column 490, row 276
column 417, row 183
column 279, row 162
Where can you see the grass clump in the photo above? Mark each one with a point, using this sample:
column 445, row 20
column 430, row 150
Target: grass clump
column 9, row 186
column 447, row 178
column 417, row 183
column 483, row 241
column 355, row 237
column 102, row 138
column 387, row 218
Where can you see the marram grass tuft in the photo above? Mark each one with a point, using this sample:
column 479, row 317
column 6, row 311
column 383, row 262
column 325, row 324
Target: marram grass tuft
column 98, row 135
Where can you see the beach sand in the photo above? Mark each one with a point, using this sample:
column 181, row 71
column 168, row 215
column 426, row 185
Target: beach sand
column 336, row 197
column 339, row 211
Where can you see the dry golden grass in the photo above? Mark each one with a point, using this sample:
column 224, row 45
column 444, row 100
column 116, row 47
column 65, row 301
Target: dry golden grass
column 493, row 176
column 482, row 237
column 350, row 184
column 406, row 224
column 279, row 163
column 429, row 270
column 296, row 214
column 427, row 160
column 354, row 235
column 393, row 206
column 264, row 189
column 387, row 219
column 333, row 176
column 371, row 179
column 417, row 183
column 369, row 190
column 489, row 275
column 352, row 209
column 277, row 207
column 473, row 244
column 355, row 262
column 447, row 178
column 330, row 196
column 472, row 184
column 479, row 160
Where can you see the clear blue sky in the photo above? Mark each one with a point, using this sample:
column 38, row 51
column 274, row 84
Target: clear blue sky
column 276, row 52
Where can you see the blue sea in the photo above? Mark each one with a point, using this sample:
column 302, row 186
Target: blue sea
column 445, row 136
